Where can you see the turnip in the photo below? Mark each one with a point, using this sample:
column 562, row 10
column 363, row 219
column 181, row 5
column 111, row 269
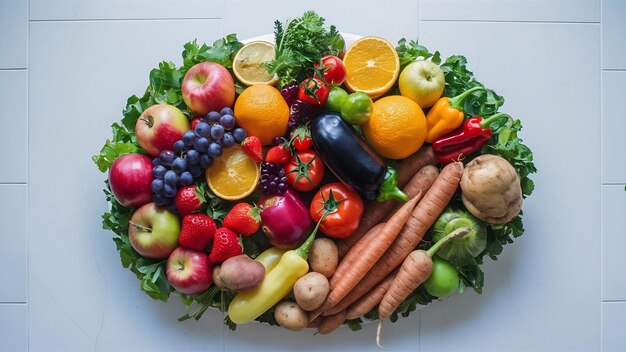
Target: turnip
column 491, row 189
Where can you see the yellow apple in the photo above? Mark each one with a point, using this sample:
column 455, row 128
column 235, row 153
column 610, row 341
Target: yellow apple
column 423, row 82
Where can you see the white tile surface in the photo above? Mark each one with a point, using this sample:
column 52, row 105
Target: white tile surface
column 613, row 141
column 398, row 20
column 13, row 33
column 613, row 34
column 80, row 298
column 13, row 126
column 529, row 303
column 511, row 10
column 613, row 322
column 123, row 9
column 613, row 243
column 13, row 236
column 14, row 331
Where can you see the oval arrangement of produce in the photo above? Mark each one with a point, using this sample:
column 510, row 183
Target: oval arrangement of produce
column 306, row 183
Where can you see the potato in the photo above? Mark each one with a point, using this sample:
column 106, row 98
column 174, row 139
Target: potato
column 216, row 277
column 491, row 189
column 311, row 290
column 324, row 257
column 290, row 316
column 241, row 273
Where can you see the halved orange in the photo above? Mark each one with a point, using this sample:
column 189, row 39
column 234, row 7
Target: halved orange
column 233, row 175
column 248, row 64
column 372, row 66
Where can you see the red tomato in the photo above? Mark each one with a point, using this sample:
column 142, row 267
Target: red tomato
column 344, row 208
column 300, row 138
column 304, row 171
column 313, row 91
column 333, row 70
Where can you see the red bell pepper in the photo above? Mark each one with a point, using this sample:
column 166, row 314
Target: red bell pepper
column 468, row 138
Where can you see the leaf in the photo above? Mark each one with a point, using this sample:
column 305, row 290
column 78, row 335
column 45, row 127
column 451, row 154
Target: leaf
column 354, row 324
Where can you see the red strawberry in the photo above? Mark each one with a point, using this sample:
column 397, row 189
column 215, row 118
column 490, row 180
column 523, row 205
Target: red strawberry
column 243, row 218
column 189, row 199
column 278, row 155
column 252, row 147
column 225, row 245
column 195, row 121
column 197, row 231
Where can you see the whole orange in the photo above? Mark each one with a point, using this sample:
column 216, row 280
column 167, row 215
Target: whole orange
column 261, row 110
column 396, row 128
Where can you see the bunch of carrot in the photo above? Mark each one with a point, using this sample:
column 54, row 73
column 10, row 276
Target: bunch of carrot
column 370, row 269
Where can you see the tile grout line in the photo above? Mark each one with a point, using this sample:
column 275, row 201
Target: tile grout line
column 513, row 21
column 13, row 69
column 601, row 184
column 28, row 177
column 125, row 19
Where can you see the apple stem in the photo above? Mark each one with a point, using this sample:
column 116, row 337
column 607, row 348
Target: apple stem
column 140, row 227
column 149, row 120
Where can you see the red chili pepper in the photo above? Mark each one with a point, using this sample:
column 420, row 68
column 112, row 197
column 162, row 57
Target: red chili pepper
column 468, row 138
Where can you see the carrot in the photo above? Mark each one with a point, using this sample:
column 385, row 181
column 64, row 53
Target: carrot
column 370, row 255
column 371, row 299
column 415, row 269
column 331, row 323
column 422, row 218
column 414, row 162
column 348, row 260
column 314, row 323
column 375, row 212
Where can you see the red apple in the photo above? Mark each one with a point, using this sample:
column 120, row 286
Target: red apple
column 159, row 127
column 189, row 271
column 130, row 177
column 153, row 231
column 207, row 87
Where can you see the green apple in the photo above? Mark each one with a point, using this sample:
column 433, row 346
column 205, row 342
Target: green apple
column 423, row 82
column 153, row 231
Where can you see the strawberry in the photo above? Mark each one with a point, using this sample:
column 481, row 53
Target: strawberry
column 278, row 154
column 252, row 147
column 225, row 245
column 197, row 231
column 189, row 199
column 243, row 218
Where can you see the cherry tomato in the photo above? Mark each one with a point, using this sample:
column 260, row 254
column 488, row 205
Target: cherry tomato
column 313, row 91
column 333, row 70
column 344, row 216
column 444, row 279
column 304, row 171
column 300, row 138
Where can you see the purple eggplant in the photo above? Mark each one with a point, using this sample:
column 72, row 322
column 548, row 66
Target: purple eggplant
column 285, row 218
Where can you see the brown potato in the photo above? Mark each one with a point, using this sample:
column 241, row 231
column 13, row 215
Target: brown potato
column 491, row 189
column 290, row 316
column 241, row 273
column 324, row 257
column 311, row 290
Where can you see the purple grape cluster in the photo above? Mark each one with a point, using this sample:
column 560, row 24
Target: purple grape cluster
column 192, row 154
column 273, row 179
column 300, row 113
column 170, row 172
column 290, row 92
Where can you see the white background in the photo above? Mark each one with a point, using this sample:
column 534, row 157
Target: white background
column 67, row 67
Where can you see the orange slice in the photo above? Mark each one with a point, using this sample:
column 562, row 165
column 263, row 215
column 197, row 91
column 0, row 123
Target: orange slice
column 372, row 66
column 233, row 175
column 248, row 64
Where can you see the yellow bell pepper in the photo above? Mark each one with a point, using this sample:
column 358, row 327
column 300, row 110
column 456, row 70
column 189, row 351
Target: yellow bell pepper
column 270, row 257
column 446, row 115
